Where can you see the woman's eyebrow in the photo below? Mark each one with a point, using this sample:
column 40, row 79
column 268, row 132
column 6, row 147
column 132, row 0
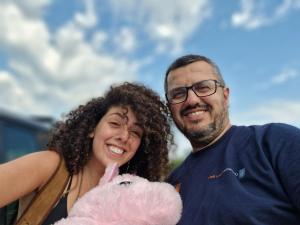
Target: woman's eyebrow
column 122, row 116
column 138, row 125
column 118, row 114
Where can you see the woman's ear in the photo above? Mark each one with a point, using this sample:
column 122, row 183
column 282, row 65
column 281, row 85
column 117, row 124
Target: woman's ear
column 91, row 135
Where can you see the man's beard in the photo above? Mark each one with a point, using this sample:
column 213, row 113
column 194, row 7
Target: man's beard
column 205, row 135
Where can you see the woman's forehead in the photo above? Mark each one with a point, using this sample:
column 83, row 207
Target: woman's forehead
column 123, row 112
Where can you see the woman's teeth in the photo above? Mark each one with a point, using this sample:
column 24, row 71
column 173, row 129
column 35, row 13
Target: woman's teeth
column 116, row 150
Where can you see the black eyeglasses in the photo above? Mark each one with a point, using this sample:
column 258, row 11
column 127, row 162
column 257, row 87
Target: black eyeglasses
column 201, row 89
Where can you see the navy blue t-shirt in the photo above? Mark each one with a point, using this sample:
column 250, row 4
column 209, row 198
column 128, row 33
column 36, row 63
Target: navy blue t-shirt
column 249, row 176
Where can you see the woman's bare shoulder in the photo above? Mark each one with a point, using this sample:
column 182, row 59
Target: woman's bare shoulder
column 26, row 174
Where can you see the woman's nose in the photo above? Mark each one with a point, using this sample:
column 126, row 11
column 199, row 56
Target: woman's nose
column 124, row 134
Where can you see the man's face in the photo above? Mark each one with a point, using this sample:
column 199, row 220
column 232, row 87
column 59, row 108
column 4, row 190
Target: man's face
column 200, row 119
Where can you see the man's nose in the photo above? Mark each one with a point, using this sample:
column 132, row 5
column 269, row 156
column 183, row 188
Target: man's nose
column 191, row 97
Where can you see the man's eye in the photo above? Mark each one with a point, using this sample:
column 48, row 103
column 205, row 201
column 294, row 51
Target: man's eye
column 202, row 88
column 178, row 93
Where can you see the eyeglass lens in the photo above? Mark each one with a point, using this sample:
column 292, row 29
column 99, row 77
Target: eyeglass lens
column 201, row 89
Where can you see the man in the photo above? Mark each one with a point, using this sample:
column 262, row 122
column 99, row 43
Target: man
column 235, row 175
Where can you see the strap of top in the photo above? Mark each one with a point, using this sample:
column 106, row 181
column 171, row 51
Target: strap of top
column 65, row 194
column 44, row 201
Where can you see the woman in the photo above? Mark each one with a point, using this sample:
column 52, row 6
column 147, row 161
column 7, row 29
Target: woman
column 129, row 125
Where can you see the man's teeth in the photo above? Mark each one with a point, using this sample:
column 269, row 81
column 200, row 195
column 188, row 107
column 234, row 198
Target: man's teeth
column 196, row 113
column 116, row 150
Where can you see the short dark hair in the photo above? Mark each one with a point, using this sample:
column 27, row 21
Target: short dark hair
column 70, row 137
column 188, row 59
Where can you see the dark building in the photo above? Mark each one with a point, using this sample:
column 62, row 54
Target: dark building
column 21, row 135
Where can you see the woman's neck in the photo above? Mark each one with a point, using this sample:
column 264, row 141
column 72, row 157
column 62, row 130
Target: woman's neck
column 92, row 173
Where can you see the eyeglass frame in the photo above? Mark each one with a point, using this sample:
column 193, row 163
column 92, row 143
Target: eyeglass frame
column 187, row 88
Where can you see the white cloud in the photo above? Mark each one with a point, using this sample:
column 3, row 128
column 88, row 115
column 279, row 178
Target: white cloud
column 7, row 80
column 125, row 40
column 98, row 39
column 248, row 17
column 88, row 19
column 54, row 71
column 280, row 110
column 18, row 32
column 13, row 94
column 30, row 8
column 285, row 7
column 253, row 13
column 68, row 38
column 169, row 22
column 285, row 75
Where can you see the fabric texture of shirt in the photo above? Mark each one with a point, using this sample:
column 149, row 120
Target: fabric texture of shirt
column 58, row 212
column 251, row 176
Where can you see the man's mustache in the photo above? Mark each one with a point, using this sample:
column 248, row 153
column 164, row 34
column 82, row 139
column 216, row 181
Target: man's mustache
column 192, row 107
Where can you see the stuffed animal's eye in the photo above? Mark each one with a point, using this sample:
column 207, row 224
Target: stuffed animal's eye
column 125, row 183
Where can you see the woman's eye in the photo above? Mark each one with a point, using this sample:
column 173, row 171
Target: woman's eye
column 114, row 123
column 136, row 134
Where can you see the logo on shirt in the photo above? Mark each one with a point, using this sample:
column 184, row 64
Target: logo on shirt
column 240, row 173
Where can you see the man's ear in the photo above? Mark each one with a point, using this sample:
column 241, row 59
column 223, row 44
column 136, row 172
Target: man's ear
column 226, row 93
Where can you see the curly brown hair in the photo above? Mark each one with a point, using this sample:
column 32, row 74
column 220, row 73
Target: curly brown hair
column 70, row 137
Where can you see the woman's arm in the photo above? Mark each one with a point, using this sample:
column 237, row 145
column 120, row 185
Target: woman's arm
column 26, row 174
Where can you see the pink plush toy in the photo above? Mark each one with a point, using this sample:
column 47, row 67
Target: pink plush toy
column 126, row 200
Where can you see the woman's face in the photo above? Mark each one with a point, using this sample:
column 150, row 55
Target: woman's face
column 116, row 137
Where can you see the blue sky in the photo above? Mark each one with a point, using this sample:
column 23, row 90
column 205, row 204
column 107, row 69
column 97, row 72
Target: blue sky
column 56, row 54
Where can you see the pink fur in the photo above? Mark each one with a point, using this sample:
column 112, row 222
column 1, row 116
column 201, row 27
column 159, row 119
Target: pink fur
column 110, row 172
column 137, row 203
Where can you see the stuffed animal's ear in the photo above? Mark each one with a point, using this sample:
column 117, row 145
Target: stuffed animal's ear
column 111, row 171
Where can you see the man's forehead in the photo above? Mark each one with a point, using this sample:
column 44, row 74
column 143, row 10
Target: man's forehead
column 191, row 73
column 199, row 66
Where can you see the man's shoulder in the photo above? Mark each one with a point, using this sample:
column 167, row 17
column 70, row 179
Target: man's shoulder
column 178, row 172
column 281, row 129
column 270, row 128
column 272, row 135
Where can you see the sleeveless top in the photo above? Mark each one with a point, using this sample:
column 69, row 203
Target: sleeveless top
column 60, row 210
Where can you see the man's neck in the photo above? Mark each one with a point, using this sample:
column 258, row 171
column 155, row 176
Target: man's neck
column 197, row 148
